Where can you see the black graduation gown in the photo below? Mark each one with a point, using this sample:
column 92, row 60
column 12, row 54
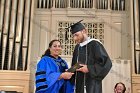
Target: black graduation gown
column 98, row 63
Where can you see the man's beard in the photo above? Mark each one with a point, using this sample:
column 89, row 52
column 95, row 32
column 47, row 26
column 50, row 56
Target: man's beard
column 82, row 39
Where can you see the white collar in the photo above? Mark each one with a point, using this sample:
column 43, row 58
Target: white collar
column 89, row 40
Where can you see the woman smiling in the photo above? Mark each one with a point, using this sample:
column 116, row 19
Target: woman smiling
column 51, row 75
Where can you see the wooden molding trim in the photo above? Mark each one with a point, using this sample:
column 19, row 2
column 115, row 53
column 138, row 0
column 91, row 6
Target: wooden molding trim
column 136, row 78
column 15, row 81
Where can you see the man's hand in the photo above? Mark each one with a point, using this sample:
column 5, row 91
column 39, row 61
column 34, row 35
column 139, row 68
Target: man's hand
column 83, row 69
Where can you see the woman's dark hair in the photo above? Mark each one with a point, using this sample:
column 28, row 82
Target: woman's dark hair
column 123, row 86
column 47, row 52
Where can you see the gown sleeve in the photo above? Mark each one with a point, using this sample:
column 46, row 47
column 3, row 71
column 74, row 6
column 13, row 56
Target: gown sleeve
column 99, row 63
column 46, row 76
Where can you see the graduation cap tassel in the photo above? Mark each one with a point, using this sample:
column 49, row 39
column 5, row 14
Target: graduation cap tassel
column 80, row 21
column 66, row 35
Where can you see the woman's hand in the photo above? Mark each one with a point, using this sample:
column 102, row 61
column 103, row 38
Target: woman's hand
column 66, row 75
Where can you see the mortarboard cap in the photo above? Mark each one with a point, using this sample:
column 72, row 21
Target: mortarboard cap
column 76, row 27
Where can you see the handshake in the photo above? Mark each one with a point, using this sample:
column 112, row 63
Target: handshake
column 68, row 74
column 74, row 67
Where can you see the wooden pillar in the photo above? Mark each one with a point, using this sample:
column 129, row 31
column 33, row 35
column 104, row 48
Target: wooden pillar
column 54, row 3
column 109, row 4
column 40, row 3
column 68, row 3
column 19, row 29
column 118, row 3
column 122, row 5
column 136, row 20
column 26, row 31
column 5, row 29
column 94, row 4
column 12, row 31
column 44, row 3
column 1, row 28
column 1, row 15
column 114, row 4
column 103, row 4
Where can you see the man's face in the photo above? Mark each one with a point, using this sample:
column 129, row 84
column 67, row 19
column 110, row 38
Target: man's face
column 78, row 37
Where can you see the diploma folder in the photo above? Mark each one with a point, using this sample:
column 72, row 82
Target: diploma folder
column 74, row 67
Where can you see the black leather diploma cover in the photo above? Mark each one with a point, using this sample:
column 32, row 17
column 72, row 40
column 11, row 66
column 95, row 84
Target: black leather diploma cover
column 74, row 67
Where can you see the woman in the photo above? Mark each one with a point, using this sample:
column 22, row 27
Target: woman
column 50, row 75
column 119, row 88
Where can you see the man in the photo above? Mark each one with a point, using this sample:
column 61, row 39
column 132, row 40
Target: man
column 93, row 58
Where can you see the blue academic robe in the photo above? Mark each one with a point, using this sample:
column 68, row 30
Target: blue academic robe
column 47, row 77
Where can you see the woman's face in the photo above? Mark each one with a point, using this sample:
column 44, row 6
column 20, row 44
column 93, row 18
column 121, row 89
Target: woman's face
column 119, row 88
column 55, row 49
